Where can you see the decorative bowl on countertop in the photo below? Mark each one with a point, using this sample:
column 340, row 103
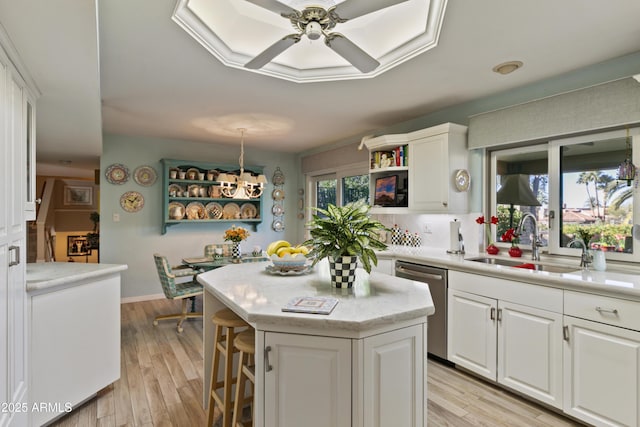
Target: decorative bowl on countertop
column 289, row 262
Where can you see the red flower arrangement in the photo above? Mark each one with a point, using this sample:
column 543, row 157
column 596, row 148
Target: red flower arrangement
column 491, row 248
column 514, row 238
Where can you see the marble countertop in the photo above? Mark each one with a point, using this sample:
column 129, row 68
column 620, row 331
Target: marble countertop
column 617, row 280
column 376, row 300
column 47, row 275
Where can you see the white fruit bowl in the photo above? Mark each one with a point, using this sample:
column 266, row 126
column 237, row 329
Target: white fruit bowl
column 289, row 261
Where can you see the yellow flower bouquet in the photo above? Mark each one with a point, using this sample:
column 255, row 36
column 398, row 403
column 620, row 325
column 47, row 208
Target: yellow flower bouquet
column 236, row 234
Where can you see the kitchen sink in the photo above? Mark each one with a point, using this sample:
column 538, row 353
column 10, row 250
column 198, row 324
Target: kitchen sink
column 525, row 264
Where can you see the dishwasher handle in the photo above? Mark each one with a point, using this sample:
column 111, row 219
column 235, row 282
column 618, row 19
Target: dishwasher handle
column 417, row 274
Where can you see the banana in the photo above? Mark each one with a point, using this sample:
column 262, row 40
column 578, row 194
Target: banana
column 274, row 246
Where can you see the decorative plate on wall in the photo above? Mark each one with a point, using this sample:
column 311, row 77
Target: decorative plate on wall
column 462, row 180
column 278, row 177
column 117, row 174
column 132, row 201
column 145, row 175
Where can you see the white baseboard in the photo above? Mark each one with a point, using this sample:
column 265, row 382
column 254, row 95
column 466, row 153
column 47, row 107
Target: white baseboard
column 141, row 298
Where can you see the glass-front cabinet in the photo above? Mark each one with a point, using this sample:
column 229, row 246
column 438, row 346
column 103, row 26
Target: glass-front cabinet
column 194, row 192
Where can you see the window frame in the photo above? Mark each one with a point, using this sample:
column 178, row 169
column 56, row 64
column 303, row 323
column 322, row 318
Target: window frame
column 336, row 173
column 553, row 148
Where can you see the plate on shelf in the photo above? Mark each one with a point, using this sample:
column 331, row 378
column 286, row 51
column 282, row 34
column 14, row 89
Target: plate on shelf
column 277, row 210
column 272, row 269
column 117, row 174
column 176, row 190
column 176, row 210
column 195, row 210
column 214, row 210
column 278, row 194
column 145, row 175
column 231, row 211
column 248, row 211
column 192, row 174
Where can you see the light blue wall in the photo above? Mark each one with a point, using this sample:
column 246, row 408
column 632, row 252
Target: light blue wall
column 136, row 237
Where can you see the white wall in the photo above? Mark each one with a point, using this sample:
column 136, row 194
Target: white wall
column 136, row 237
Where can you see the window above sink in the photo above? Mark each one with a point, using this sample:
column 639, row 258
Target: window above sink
column 573, row 185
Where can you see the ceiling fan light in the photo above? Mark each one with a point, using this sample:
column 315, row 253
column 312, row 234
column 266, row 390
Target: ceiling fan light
column 313, row 30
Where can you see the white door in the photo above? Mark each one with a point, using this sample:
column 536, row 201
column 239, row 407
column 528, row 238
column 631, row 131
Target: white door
column 13, row 319
column 530, row 351
column 472, row 334
column 307, row 381
column 394, row 378
column 601, row 373
column 428, row 174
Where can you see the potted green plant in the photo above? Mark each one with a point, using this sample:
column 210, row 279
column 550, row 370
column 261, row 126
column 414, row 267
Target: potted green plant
column 93, row 239
column 344, row 235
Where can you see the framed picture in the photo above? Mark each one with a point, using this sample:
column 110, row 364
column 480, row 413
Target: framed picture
column 386, row 191
column 77, row 246
column 74, row 195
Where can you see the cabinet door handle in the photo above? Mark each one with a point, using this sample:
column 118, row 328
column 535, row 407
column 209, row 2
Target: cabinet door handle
column 565, row 333
column 607, row 310
column 14, row 260
column 492, row 314
column 499, row 315
column 267, row 365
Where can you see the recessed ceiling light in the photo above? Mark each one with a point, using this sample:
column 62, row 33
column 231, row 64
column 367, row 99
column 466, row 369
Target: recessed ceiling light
column 507, row 67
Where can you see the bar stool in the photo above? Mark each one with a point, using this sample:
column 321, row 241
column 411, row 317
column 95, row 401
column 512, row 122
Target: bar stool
column 245, row 343
column 226, row 322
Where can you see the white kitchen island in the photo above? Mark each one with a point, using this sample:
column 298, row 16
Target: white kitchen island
column 362, row 365
column 75, row 334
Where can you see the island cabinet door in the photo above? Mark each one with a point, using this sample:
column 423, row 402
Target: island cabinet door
column 307, row 381
column 472, row 332
column 601, row 373
column 394, row 378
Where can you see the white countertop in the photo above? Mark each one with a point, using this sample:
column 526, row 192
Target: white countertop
column 46, row 275
column 374, row 301
column 616, row 281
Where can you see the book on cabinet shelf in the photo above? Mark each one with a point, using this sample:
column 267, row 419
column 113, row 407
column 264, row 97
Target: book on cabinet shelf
column 396, row 157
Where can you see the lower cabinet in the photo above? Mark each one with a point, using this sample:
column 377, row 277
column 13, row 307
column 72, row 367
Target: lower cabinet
column 309, row 383
column 325, row 381
column 602, row 361
column 515, row 344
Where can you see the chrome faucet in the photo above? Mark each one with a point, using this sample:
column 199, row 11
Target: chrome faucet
column 585, row 258
column 535, row 239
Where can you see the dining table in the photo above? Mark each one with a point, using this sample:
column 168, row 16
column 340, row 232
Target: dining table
column 210, row 263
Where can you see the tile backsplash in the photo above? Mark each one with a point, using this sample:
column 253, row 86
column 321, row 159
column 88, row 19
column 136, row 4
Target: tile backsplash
column 433, row 229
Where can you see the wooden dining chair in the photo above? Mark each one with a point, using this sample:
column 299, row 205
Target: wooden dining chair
column 185, row 291
column 209, row 250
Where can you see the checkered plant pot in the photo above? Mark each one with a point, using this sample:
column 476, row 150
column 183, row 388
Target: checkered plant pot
column 343, row 271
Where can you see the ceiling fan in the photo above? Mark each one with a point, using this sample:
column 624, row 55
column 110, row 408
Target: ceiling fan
column 316, row 21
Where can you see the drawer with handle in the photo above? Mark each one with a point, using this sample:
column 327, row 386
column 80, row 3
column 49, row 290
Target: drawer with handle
column 613, row 311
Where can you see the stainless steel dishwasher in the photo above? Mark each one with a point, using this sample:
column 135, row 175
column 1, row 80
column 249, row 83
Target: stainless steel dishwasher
column 436, row 278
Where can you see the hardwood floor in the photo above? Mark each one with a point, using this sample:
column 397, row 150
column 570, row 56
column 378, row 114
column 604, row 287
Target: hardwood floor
column 162, row 375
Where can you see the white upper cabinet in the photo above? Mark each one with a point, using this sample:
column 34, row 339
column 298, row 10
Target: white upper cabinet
column 421, row 171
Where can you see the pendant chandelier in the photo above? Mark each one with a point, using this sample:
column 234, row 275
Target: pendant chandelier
column 626, row 169
column 244, row 186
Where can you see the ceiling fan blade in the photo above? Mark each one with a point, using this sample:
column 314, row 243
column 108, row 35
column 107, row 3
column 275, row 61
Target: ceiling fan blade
column 272, row 51
column 350, row 9
column 352, row 53
column 274, row 6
